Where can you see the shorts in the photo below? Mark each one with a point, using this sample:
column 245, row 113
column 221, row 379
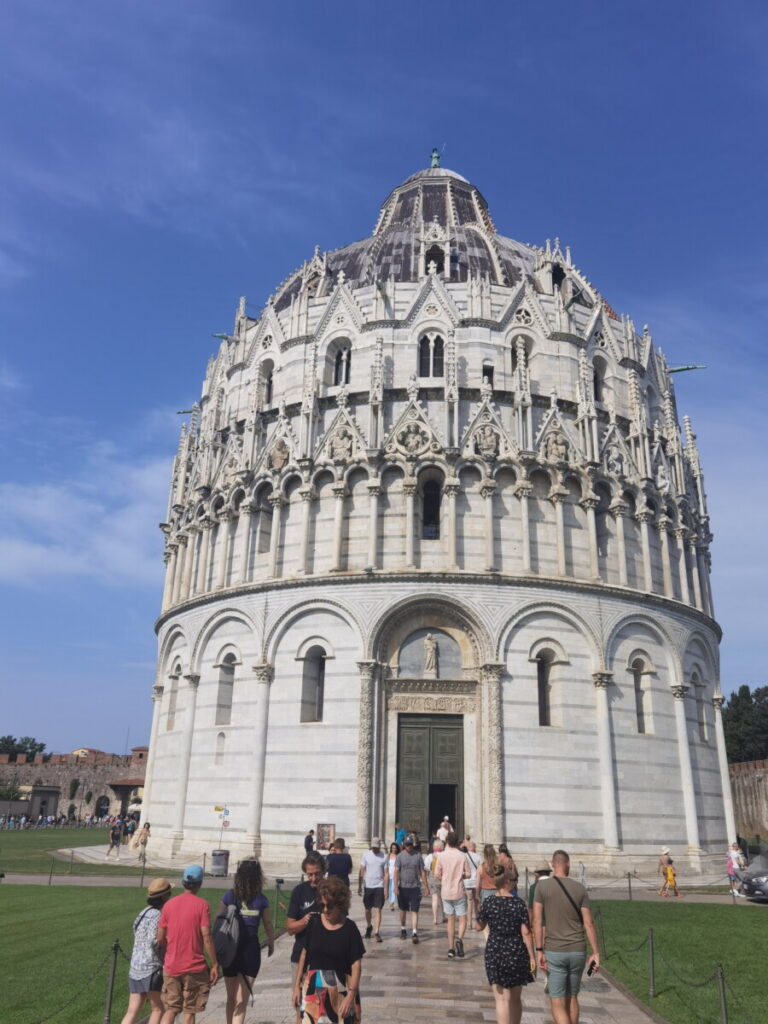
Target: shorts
column 151, row 983
column 564, row 973
column 409, row 899
column 485, row 893
column 186, row 991
column 373, row 899
column 457, row 908
column 247, row 959
column 434, row 885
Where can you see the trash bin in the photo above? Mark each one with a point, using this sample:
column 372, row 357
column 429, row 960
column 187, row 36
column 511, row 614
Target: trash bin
column 219, row 863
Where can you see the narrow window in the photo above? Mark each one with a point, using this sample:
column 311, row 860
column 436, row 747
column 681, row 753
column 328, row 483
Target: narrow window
column 313, row 686
column 435, row 255
column 430, row 511
column 226, row 688
column 640, row 708
column 558, row 277
column 543, row 671
column 424, row 358
column 220, row 741
column 268, row 387
column 488, row 373
column 598, row 380
column 437, row 357
column 173, row 694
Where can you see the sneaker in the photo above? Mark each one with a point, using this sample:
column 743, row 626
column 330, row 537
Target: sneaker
column 379, row 938
column 403, row 933
column 369, row 931
column 451, row 954
column 459, row 948
column 415, row 939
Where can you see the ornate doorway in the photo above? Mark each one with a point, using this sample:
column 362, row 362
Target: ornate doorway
column 430, row 772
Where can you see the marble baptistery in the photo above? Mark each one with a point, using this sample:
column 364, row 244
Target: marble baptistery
column 436, row 543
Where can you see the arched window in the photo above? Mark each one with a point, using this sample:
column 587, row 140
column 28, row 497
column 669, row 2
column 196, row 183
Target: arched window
column 598, row 378
column 221, row 740
column 544, row 686
column 313, row 685
column 173, row 696
column 436, row 255
column 430, row 510
column 487, row 372
column 341, row 364
column 641, row 710
column 226, row 688
column 431, row 356
column 268, row 378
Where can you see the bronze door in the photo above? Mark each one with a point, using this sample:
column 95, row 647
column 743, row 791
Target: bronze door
column 430, row 772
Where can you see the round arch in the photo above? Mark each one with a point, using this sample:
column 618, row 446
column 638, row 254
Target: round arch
column 550, row 608
column 653, row 627
column 210, row 626
column 283, row 623
column 405, row 616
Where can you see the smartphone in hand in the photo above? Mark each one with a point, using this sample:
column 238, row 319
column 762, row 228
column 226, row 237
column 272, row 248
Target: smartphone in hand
column 592, row 968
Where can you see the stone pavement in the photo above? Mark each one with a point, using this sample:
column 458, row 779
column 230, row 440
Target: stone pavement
column 403, row 982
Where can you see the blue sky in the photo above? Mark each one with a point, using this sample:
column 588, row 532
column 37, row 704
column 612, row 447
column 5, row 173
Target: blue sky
column 161, row 159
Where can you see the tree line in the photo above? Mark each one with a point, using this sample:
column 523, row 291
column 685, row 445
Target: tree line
column 745, row 723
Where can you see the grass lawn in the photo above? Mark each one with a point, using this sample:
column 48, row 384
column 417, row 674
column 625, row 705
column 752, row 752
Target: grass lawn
column 30, row 852
column 692, row 938
column 61, row 935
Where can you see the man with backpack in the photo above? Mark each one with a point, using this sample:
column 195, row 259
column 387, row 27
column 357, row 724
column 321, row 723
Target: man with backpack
column 185, row 929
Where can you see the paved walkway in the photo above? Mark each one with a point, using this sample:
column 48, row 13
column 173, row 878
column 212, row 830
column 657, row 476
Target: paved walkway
column 403, row 982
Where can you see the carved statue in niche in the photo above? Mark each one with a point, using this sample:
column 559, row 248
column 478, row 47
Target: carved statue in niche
column 279, row 456
column 556, row 447
column 430, row 655
column 662, row 478
column 614, row 460
column 486, row 442
column 342, row 444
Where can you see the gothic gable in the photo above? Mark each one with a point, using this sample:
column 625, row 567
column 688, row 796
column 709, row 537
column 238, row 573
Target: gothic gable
column 485, row 437
column 432, row 301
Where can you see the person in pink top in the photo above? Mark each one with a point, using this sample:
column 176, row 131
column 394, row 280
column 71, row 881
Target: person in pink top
column 452, row 869
column 185, row 929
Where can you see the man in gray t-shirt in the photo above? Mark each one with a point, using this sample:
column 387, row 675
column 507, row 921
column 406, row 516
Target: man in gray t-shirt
column 410, row 881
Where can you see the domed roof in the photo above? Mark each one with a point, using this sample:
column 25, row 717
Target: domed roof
column 434, row 207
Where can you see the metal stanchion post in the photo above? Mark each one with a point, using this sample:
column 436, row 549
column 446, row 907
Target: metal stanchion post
column 651, row 966
column 111, row 983
column 721, row 991
column 527, row 883
column 629, row 883
column 143, row 867
column 50, row 873
column 204, row 856
column 278, row 883
column 71, row 860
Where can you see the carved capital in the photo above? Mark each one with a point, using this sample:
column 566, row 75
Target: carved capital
column 602, row 680
column 558, row 495
column 339, row 491
column 225, row 515
column 247, row 508
column 374, row 489
column 409, row 488
column 368, row 670
column 276, row 500
column 492, row 671
column 717, row 701
column 193, row 680
column 681, row 533
column 679, row 692
column 664, row 524
column 182, row 539
column 644, row 515
column 618, row 508
column 589, row 503
column 487, row 490
column 307, row 494
column 157, row 692
column 206, row 523
column 524, row 489
column 263, row 672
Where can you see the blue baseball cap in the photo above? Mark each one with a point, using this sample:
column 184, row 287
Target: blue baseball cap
column 194, row 873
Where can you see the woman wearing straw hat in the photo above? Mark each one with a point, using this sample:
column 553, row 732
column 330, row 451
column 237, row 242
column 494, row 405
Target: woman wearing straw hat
column 145, row 975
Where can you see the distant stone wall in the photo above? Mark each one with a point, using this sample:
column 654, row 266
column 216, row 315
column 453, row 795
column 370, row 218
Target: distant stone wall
column 95, row 778
column 749, row 785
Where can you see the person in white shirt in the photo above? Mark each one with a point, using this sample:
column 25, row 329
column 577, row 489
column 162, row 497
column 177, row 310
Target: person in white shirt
column 374, row 873
column 445, row 828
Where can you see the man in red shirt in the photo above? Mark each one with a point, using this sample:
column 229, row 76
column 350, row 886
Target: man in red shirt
column 185, row 929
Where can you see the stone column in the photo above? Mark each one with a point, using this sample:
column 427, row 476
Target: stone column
column 169, row 558
column 206, row 525
column 523, row 492
column 722, row 760
column 488, row 490
column 222, row 547
column 682, row 562
column 493, row 768
column 307, row 497
column 644, row 517
column 695, row 574
column 339, row 492
column 664, row 524
column 374, row 493
column 619, row 510
column 602, row 681
column 157, row 700
column 181, row 567
column 366, row 752
column 703, row 565
column 189, row 565
column 180, row 804
column 409, row 490
column 557, row 498
column 589, row 505
column 263, row 672
column 244, row 539
column 686, row 771
column 276, row 500
column 451, row 491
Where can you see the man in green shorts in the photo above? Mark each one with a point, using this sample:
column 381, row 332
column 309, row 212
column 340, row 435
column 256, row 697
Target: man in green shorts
column 561, row 916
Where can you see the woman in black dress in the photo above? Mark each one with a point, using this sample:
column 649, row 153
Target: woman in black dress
column 327, row 987
column 509, row 958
